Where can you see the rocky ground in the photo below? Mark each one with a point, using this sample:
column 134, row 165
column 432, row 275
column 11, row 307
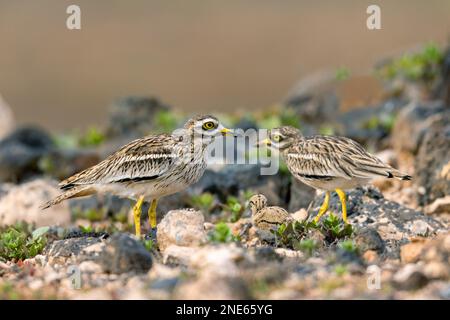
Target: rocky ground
column 398, row 245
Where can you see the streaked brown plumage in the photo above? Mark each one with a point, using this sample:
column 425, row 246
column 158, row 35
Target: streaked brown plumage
column 264, row 217
column 149, row 167
column 329, row 162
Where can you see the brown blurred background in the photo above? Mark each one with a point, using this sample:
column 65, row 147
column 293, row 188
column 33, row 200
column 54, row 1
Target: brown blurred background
column 194, row 55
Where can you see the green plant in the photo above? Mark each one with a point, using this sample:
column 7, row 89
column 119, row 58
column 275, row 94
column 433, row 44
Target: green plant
column 422, row 66
column 165, row 121
column 342, row 74
column 93, row 137
column 340, row 269
column 290, row 234
column 222, row 234
column 307, row 246
column 204, row 201
column 334, row 229
column 235, row 207
column 148, row 244
column 20, row 244
column 348, row 246
column 91, row 214
column 326, row 130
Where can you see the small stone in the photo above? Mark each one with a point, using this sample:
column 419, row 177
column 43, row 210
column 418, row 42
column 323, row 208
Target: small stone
column 436, row 270
column 410, row 277
column 90, row 267
column 211, row 286
column 177, row 255
column 122, row 254
column 410, row 252
column 370, row 256
column 69, row 247
column 20, row 153
column 369, row 239
column 182, row 228
column 439, row 206
column 420, row 228
column 6, row 118
column 22, row 203
column 219, row 259
column 300, row 215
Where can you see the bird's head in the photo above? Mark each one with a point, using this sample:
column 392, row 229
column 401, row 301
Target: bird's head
column 257, row 202
column 281, row 138
column 206, row 127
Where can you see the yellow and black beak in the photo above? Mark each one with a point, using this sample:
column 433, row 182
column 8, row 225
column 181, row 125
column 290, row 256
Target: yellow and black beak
column 227, row 132
column 265, row 142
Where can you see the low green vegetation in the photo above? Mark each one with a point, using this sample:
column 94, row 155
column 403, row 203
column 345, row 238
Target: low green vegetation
column 204, row 202
column 166, row 121
column 296, row 234
column 21, row 242
column 340, row 269
column 384, row 122
column 307, row 245
column 93, row 137
column 222, row 234
column 342, row 74
column 348, row 246
column 333, row 228
column 91, row 214
column 422, row 67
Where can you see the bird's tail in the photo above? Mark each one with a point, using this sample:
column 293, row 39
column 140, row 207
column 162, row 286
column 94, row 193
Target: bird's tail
column 394, row 173
column 79, row 191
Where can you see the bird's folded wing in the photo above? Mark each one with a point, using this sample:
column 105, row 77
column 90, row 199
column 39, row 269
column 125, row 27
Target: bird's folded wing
column 319, row 165
column 334, row 157
column 142, row 159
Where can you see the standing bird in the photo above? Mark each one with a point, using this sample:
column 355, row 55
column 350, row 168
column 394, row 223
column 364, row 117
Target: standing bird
column 328, row 163
column 264, row 217
column 149, row 168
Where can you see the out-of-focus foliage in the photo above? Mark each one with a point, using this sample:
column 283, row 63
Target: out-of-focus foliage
column 20, row 241
column 421, row 67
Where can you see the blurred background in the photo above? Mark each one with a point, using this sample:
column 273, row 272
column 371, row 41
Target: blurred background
column 194, row 55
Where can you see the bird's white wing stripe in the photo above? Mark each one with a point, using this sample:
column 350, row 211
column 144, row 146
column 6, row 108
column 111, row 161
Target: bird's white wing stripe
column 150, row 156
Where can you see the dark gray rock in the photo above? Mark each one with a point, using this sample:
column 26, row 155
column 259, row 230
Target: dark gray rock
column 70, row 247
column 433, row 161
column 443, row 87
column 369, row 239
column 367, row 208
column 371, row 124
column 21, row 151
column 409, row 277
column 122, row 254
column 134, row 116
column 412, row 123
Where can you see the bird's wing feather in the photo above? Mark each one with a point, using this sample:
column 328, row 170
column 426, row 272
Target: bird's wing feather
column 331, row 156
column 142, row 159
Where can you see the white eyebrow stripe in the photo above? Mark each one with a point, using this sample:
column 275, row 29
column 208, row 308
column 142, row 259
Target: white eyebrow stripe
column 150, row 156
column 302, row 156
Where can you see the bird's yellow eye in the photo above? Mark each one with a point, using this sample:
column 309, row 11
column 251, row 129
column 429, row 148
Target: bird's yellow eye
column 208, row 125
column 276, row 138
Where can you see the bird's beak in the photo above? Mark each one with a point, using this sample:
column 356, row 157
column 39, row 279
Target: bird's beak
column 265, row 142
column 227, row 132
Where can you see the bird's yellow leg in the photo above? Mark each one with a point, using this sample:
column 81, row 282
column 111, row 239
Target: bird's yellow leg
column 324, row 207
column 152, row 213
column 137, row 215
column 342, row 197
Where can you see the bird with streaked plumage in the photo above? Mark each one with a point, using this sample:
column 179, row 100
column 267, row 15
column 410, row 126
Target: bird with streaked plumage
column 328, row 163
column 149, row 168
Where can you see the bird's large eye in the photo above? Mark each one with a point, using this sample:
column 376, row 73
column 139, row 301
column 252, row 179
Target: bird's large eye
column 276, row 138
column 208, row 125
